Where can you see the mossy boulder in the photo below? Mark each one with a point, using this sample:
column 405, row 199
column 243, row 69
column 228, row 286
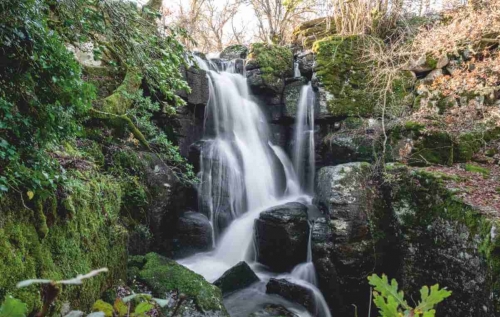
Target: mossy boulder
column 305, row 34
column 444, row 240
column 268, row 66
column 163, row 276
column 342, row 74
column 81, row 232
column 234, row 52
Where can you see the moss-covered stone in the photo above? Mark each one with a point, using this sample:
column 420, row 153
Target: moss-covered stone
column 305, row 34
column 445, row 241
column 234, row 51
column 164, row 275
column 275, row 62
column 88, row 238
column 342, row 72
column 119, row 102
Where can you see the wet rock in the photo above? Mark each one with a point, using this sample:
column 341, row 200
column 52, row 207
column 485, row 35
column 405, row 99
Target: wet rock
column 264, row 85
column 189, row 121
column 292, row 292
column 281, row 235
column 291, row 98
column 198, row 82
column 234, row 51
column 194, row 234
column 273, row 310
column 342, row 244
column 164, row 276
column 238, row 277
column 306, row 63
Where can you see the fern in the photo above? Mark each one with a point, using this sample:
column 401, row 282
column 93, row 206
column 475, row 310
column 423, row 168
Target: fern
column 391, row 303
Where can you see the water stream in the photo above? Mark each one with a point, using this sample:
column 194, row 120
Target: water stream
column 238, row 181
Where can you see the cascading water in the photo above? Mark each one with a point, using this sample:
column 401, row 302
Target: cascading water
column 238, row 181
column 303, row 150
column 296, row 70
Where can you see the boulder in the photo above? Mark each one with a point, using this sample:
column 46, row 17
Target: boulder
column 292, row 292
column 291, row 98
column 260, row 83
column 194, row 234
column 342, row 245
column 164, row 277
column 281, row 235
column 198, row 82
column 306, row 63
column 238, row 277
column 234, row 51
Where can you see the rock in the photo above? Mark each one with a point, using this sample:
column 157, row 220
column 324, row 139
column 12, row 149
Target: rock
column 163, row 276
column 238, row 277
column 194, row 234
column 281, row 235
column 453, row 67
column 433, row 75
column 234, row 51
column 352, row 143
column 239, row 66
column 306, row 33
column 342, row 245
column 273, row 310
column 189, row 126
column 292, row 292
column 265, row 85
column 198, row 81
column 420, row 65
column 291, row 98
column 306, row 63
column 442, row 61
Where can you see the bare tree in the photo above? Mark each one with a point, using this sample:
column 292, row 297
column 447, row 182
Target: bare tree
column 216, row 18
column 276, row 18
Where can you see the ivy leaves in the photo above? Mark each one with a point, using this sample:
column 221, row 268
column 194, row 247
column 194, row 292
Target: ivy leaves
column 13, row 307
column 391, row 303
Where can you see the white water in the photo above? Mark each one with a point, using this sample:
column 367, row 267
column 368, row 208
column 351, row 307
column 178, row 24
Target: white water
column 238, row 180
column 296, row 70
column 303, row 150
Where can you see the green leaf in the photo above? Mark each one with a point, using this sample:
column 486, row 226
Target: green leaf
column 430, row 313
column 382, row 286
column 430, row 298
column 12, row 307
column 143, row 308
column 387, row 308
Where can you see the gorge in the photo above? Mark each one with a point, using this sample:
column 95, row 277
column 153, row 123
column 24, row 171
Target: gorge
column 277, row 178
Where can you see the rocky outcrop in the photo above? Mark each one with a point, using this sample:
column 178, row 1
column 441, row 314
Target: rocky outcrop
column 306, row 63
column 267, row 67
column 342, row 243
column 198, row 82
column 292, row 292
column 164, row 277
column 305, row 34
column 234, row 51
column 238, row 277
column 194, row 234
column 281, row 235
column 444, row 240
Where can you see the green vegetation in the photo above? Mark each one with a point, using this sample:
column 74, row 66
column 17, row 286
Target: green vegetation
column 477, row 169
column 342, row 72
column 391, row 302
column 274, row 60
column 164, row 275
column 12, row 307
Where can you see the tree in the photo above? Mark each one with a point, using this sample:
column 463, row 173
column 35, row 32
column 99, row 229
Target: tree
column 276, row 18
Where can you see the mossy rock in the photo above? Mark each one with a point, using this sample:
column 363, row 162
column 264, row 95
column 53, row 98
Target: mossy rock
column 469, row 143
column 445, row 241
column 163, row 275
column 76, row 242
column 305, row 34
column 342, row 72
column 275, row 62
column 234, row 51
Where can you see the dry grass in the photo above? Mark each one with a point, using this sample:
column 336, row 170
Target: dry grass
column 463, row 28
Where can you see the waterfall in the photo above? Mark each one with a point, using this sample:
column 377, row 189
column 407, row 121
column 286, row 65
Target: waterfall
column 303, row 151
column 239, row 181
column 296, row 70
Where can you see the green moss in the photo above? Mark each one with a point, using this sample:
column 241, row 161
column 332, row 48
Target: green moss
column 164, row 275
column 275, row 61
column 102, row 306
column 91, row 238
column 477, row 169
column 426, row 199
column 431, row 61
column 435, row 147
column 342, row 71
column 469, row 143
column 119, row 102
